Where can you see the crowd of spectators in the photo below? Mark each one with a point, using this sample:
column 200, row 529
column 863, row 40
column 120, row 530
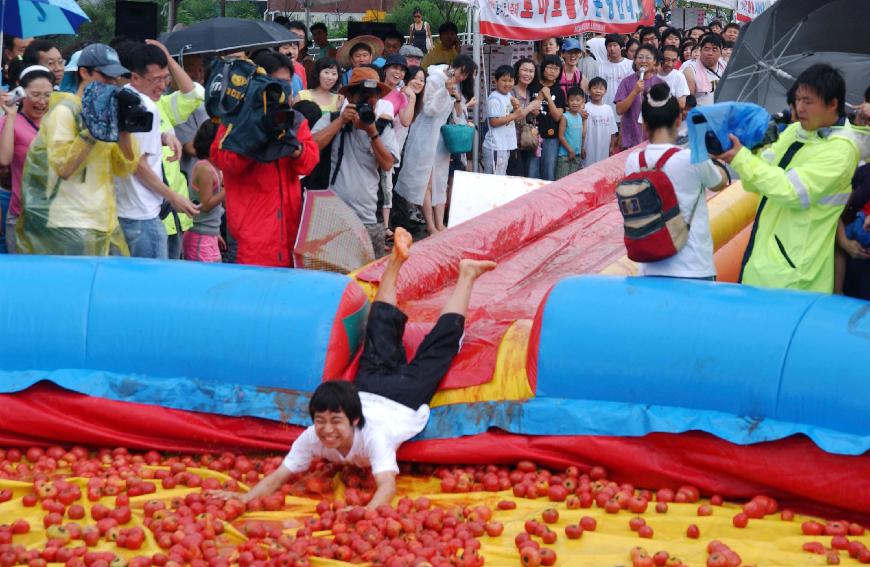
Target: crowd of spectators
column 373, row 109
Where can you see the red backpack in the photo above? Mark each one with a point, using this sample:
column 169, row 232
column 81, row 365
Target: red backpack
column 654, row 228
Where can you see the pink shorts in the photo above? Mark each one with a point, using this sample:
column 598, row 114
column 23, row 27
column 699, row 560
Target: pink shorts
column 201, row 247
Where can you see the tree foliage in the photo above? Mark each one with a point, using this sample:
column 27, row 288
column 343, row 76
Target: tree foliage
column 101, row 28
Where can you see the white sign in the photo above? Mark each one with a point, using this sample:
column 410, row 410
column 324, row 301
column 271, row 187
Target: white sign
column 539, row 19
column 748, row 10
column 476, row 193
column 688, row 18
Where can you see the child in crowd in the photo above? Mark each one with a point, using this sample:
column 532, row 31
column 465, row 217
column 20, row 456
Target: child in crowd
column 502, row 110
column 683, row 130
column 365, row 423
column 202, row 241
column 661, row 118
column 601, row 125
column 572, row 135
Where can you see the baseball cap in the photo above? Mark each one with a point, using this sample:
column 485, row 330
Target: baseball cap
column 102, row 58
column 571, row 44
column 411, row 51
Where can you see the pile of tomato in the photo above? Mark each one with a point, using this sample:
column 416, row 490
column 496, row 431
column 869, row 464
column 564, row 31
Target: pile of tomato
column 83, row 500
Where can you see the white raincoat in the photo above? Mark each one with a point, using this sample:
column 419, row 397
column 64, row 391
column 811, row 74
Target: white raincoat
column 426, row 155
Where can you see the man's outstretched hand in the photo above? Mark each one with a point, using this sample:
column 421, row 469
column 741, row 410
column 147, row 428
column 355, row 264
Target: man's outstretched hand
column 729, row 155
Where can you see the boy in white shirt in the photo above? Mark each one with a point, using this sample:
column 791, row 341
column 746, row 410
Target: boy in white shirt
column 364, row 423
column 661, row 117
column 602, row 127
column 502, row 111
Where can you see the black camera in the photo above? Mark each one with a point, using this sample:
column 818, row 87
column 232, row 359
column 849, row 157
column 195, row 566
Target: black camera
column 132, row 116
column 366, row 113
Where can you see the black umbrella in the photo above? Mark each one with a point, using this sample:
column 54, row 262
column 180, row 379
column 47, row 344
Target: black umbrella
column 789, row 37
column 226, row 35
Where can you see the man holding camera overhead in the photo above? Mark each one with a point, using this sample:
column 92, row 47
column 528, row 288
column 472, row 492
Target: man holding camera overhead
column 67, row 189
column 141, row 195
column 359, row 150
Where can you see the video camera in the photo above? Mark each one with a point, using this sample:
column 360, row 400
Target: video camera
column 132, row 116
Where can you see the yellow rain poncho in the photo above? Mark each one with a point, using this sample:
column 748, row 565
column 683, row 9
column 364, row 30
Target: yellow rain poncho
column 74, row 215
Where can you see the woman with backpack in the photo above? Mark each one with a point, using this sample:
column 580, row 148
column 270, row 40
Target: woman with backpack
column 687, row 181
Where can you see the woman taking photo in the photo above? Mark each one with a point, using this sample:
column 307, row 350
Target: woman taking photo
column 18, row 128
column 325, row 77
column 426, row 161
column 631, row 91
column 407, row 103
column 552, row 104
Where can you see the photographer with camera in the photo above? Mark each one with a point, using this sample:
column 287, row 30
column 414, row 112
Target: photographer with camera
column 141, row 195
column 359, row 150
column 67, row 189
column 263, row 163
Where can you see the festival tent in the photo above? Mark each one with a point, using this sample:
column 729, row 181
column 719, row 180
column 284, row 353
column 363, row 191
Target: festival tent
column 792, row 35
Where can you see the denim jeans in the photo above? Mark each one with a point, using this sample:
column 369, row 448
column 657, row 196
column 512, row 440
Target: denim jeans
column 544, row 167
column 145, row 238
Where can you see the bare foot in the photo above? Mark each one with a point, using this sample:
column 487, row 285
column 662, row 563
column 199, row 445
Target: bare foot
column 475, row 268
column 401, row 244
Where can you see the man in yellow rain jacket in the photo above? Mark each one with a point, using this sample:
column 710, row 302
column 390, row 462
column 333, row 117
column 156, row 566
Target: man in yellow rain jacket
column 804, row 181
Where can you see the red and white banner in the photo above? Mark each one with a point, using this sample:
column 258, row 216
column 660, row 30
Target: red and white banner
column 748, row 10
column 537, row 19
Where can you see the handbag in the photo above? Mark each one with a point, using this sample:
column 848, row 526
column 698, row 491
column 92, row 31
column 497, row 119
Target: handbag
column 459, row 138
column 529, row 137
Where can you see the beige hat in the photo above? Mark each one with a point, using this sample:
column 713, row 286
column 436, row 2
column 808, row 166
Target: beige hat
column 374, row 43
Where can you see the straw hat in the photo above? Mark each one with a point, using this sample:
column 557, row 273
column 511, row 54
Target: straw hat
column 374, row 43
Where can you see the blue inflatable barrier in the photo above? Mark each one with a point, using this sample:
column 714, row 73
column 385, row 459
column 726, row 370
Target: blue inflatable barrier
column 123, row 328
column 757, row 360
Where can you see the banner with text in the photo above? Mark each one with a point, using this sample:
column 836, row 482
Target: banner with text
column 539, row 19
column 748, row 10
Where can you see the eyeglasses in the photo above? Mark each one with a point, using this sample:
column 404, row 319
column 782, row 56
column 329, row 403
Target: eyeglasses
column 38, row 96
column 161, row 80
column 55, row 63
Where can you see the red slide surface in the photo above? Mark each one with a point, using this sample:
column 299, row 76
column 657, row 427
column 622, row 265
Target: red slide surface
column 568, row 227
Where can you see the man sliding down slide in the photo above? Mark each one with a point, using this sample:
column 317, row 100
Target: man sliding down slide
column 364, row 424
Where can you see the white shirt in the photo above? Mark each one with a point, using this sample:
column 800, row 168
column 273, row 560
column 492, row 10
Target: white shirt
column 388, row 424
column 613, row 73
column 677, row 83
column 600, row 125
column 690, row 181
column 134, row 200
column 502, row 137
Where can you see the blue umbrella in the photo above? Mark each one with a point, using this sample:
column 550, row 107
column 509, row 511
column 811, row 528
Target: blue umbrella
column 29, row 18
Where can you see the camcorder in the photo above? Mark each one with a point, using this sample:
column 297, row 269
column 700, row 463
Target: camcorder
column 132, row 116
column 714, row 146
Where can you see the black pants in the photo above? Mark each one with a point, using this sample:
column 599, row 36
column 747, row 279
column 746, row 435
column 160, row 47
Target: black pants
column 384, row 369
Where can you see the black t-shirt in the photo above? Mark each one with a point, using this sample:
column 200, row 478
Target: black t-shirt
column 547, row 127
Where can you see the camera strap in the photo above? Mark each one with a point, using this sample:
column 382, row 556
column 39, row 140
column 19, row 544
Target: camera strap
column 340, row 157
